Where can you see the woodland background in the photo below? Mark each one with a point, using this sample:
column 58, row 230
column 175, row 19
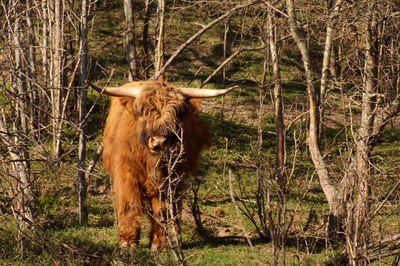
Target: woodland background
column 304, row 165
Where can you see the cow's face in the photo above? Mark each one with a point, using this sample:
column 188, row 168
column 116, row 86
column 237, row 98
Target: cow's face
column 159, row 112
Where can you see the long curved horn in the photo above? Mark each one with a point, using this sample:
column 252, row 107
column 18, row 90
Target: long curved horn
column 119, row 91
column 200, row 93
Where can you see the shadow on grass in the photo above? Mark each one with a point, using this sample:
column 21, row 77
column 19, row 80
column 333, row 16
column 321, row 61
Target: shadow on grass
column 310, row 244
column 239, row 135
column 76, row 246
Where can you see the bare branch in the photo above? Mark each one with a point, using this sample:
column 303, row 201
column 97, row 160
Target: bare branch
column 200, row 32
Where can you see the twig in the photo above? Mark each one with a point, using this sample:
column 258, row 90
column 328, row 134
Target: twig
column 94, row 160
column 225, row 158
column 387, row 197
column 276, row 9
column 246, row 236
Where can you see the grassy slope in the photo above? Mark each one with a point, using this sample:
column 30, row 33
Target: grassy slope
column 63, row 241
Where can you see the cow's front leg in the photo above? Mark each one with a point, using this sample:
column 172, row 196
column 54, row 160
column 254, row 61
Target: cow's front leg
column 129, row 203
column 158, row 238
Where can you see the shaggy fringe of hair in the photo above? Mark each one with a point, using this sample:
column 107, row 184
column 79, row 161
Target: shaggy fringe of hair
column 159, row 105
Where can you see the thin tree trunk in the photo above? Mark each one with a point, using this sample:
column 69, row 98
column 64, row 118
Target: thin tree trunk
column 336, row 205
column 82, row 186
column 56, row 91
column 279, row 123
column 130, row 39
column 159, row 37
column 226, row 47
column 31, row 69
column 145, row 38
column 18, row 145
column 312, row 141
column 326, row 61
column 361, row 226
column 26, row 200
column 332, row 64
column 45, row 65
column 31, row 42
column 280, row 225
column 45, row 41
column 21, row 86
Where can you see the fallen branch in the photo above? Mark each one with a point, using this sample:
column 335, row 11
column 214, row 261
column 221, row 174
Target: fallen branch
column 377, row 250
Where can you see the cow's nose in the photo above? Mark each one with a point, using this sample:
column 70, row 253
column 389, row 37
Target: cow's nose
column 157, row 142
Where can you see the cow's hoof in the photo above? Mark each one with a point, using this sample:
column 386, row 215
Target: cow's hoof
column 154, row 248
column 124, row 248
column 158, row 248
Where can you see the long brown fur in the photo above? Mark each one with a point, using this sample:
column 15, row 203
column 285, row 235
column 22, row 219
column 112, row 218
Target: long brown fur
column 128, row 160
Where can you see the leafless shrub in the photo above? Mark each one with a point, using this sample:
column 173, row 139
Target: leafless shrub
column 171, row 195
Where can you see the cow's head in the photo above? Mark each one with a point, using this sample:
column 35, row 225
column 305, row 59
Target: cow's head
column 159, row 109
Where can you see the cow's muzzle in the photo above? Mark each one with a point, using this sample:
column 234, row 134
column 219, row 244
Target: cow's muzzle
column 157, row 143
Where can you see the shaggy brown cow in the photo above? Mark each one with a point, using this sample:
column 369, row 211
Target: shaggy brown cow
column 143, row 123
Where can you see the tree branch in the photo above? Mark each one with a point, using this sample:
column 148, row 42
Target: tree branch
column 228, row 60
column 199, row 33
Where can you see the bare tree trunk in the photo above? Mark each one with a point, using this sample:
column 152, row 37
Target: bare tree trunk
column 263, row 198
column 17, row 141
column 82, row 186
column 31, row 69
column 26, row 200
column 280, row 219
column 130, row 39
column 45, row 41
column 312, row 141
column 56, row 92
column 326, row 60
column 361, row 226
column 45, row 66
column 336, row 206
column 145, row 39
column 31, row 41
column 279, row 123
column 21, row 85
column 159, row 37
column 226, row 47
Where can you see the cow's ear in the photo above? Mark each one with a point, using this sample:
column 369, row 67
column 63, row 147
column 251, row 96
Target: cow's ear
column 127, row 103
column 194, row 105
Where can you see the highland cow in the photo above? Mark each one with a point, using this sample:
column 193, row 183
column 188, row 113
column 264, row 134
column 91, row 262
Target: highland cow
column 146, row 121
